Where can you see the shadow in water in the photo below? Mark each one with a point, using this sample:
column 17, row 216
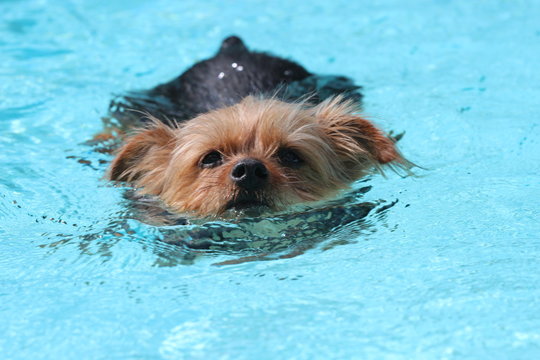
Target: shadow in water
column 176, row 239
column 279, row 236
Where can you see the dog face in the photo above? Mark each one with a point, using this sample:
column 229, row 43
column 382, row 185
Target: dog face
column 257, row 153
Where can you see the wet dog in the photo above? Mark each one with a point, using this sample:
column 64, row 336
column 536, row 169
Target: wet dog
column 245, row 130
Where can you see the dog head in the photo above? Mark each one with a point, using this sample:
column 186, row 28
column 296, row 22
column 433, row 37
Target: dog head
column 257, row 153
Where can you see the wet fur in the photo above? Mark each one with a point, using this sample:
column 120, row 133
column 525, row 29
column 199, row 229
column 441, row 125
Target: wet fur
column 272, row 104
column 337, row 147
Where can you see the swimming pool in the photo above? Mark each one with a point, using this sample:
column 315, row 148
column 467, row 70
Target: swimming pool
column 450, row 271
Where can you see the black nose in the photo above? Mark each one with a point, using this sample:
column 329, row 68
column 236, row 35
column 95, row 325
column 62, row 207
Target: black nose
column 249, row 174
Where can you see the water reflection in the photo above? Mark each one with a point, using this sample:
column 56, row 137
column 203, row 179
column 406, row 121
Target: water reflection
column 176, row 240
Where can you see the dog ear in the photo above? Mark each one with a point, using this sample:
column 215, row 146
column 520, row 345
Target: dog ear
column 354, row 136
column 146, row 151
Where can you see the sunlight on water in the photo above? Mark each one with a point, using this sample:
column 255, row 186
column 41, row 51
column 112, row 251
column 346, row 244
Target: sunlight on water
column 441, row 265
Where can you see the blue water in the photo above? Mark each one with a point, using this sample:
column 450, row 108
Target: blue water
column 451, row 271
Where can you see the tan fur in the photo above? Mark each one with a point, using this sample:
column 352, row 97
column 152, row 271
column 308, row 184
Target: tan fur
column 337, row 147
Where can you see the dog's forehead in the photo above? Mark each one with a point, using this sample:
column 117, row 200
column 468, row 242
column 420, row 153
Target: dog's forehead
column 256, row 124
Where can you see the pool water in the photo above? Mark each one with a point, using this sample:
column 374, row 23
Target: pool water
column 443, row 265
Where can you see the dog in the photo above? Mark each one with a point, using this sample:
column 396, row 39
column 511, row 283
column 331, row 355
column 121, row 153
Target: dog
column 246, row 130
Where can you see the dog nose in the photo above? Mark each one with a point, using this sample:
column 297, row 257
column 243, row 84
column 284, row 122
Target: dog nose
column 250, row 174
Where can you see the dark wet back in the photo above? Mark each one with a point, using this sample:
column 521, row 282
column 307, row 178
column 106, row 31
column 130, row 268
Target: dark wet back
column 225, row 79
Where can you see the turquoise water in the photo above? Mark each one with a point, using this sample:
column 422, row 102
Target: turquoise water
column 450, row 271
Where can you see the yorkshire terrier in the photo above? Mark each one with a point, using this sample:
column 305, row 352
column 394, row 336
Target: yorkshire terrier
column 247, row 130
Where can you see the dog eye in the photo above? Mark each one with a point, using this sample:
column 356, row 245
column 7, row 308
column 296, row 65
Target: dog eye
column 212, row 159
column 289, row 158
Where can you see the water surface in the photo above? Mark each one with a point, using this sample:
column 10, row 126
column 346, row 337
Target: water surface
column 450, row 271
